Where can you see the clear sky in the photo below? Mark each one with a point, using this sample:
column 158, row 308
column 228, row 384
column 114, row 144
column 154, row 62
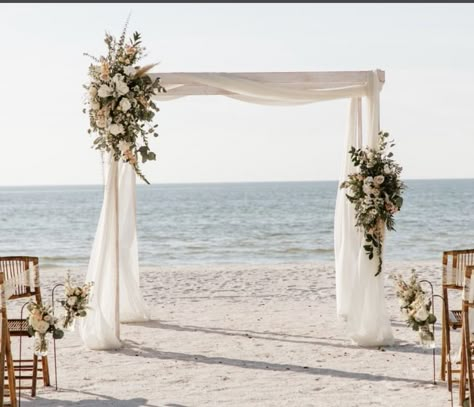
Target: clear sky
column 427, row 102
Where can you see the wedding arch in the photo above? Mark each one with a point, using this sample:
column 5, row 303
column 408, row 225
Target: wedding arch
column 114, row 259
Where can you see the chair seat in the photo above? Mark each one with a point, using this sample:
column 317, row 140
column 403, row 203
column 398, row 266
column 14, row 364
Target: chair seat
column 18, row 327
column 455, row 319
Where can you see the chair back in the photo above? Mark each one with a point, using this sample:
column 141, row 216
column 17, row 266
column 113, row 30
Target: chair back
column 454, row 263
column 467, row 337
column 21, row 275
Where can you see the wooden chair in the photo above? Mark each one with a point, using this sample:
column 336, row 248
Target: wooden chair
column 22, row 276
column 6, row 352
column 467, row 341
column 454, row 265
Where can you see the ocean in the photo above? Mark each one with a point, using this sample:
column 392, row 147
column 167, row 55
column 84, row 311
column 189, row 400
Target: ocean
column 229, row 223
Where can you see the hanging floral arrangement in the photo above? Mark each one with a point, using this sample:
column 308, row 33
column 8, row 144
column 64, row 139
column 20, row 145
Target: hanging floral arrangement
column 119, row 103
column 376, row 192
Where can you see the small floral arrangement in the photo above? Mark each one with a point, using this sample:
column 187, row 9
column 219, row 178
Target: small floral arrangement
column 76, row 301
column 120, row 105
column 376, row 191
column 415, row 306
column 41, row 321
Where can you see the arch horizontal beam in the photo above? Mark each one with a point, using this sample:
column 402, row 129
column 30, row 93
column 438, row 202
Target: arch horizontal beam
column 183, row 83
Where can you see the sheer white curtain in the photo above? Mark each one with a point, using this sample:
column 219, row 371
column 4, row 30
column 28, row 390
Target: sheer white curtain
column 116, row 294
column 361, row 298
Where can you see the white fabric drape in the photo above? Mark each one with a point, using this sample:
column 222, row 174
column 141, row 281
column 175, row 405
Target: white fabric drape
column 366, row 313
column 347, row 238
column 113, row 266
column 268, row 93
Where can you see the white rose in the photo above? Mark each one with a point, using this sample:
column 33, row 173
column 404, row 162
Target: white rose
column 105, row 91
column 368, row 180
column 42, row 327
column 422, row 314
column 125, row 105
column 72, row 300
column 370, row 155
column 379, row 179
column 123, row 146
column 116, row 129
column 92, row 91
column 117, row 78
column 129, row 70
column 386, row 169
column 120, row 86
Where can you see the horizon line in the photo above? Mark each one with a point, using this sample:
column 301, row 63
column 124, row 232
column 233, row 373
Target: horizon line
column 219, row 182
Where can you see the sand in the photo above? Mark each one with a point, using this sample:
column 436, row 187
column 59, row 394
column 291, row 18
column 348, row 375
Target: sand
column 245, row 336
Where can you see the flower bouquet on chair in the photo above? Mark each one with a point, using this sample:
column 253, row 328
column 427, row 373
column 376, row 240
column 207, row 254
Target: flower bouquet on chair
column 41, row 323
column 75, row 304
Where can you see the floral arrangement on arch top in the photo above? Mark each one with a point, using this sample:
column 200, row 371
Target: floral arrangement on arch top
column 120, row 105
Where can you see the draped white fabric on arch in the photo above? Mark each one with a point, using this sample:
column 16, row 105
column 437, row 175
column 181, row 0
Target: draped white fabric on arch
column 116, row 294
column 360, row 295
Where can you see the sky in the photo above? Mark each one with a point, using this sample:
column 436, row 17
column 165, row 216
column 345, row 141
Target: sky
column 427, row 101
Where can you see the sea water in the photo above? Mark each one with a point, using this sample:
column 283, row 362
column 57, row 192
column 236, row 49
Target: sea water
column 264, row 222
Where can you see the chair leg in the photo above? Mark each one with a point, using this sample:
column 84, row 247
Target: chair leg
column 11, row 371
column 34, row 376
column 45, row 364
column 443, row 348
column 462, row 375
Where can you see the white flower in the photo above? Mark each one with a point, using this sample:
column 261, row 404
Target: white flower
column 116, row 129
column 368, row 180
column 373, row 212
column 379, row 179
column 367, row 189
column 123, row 146
column 105, row 91
column 422, row 314
column 125, row 105
column 120, row 86
column 72, row 300
column 78, row 291
column 386, row 169
column 42, row 327
column 95, row 105
column 370, row 156
column 92, row 91
column 129, row 70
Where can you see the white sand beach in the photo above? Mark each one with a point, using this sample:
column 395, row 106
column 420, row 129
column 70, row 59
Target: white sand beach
column 262, row 335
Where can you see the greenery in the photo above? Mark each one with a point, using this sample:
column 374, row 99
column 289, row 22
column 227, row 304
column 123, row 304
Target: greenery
column 375, row 190
column 119, row 104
